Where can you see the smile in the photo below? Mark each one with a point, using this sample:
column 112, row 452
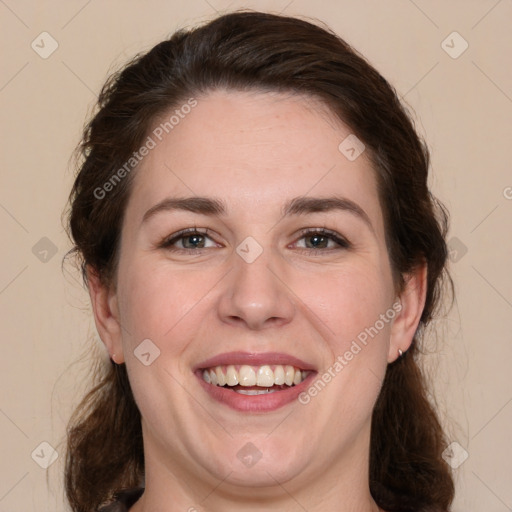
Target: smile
column 254, row 380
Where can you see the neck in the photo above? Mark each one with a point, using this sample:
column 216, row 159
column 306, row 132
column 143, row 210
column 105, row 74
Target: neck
column 343, row 487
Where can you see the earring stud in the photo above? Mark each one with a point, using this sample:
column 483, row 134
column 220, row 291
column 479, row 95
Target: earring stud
column 400, row 353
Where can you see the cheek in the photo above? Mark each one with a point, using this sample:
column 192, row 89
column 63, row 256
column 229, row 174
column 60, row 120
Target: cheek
column 356, row 305
column 156, row 303
column 347, row 301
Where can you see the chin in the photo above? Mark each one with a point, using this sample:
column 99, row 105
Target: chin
column 260, row 462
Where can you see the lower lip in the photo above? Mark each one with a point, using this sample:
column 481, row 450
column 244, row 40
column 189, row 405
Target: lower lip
column 255, row 403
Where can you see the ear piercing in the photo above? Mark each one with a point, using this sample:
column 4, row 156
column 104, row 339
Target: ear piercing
column 400, row 353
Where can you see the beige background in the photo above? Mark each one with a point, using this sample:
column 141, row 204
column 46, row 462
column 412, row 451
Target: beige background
column 463, row 104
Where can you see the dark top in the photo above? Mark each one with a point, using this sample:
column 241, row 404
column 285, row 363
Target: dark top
column 123, row 501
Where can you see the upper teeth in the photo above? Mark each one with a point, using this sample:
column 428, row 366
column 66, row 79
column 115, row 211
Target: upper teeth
column 245, row 375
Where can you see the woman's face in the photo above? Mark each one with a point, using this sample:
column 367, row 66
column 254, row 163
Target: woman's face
column 281, row 277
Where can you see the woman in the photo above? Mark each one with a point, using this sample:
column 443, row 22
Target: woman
column 262, row 254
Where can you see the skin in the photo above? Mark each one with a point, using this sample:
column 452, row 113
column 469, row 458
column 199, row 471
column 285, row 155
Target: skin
column 255, row 151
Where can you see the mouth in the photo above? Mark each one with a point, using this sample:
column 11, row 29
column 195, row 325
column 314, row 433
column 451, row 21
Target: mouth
column 254, row 382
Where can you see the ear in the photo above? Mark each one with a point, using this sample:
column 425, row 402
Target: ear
column 106, row 314
column 412, row 301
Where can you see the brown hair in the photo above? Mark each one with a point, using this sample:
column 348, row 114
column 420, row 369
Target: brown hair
column 241, row 51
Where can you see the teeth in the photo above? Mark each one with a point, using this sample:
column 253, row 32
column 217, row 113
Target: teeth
column 231, row 376
column 264, row 376
column 289, row 375
column 221, row 378
column 255, row 391
column 246, row 376
column 279, row 375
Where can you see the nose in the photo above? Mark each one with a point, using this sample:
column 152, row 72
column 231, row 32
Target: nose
column 255, row 295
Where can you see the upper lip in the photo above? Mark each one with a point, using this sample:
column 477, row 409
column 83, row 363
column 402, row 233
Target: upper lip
column 254, row 359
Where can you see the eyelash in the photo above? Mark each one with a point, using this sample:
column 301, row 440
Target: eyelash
column 169, row 241
column 343, row 243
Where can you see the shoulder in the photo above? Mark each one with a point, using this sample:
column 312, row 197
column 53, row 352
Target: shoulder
column 123, row 501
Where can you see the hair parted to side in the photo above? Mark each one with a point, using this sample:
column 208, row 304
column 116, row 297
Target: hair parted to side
column 258, row 51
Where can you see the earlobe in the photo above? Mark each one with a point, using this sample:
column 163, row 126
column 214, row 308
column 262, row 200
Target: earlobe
column 412, row 300
column 106, row 314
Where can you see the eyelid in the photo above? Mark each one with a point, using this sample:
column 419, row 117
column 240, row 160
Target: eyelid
column 171, row 239
column 341, row 240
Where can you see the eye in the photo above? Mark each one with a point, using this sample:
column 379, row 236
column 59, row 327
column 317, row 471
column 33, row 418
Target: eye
column 313, row 240
column 188, row 240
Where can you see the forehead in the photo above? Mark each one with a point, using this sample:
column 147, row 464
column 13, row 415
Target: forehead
column 253, row 149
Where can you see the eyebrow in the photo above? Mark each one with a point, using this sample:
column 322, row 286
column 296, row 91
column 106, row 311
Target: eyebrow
column 201, row 205
column 304, row 205
column 297, row 206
